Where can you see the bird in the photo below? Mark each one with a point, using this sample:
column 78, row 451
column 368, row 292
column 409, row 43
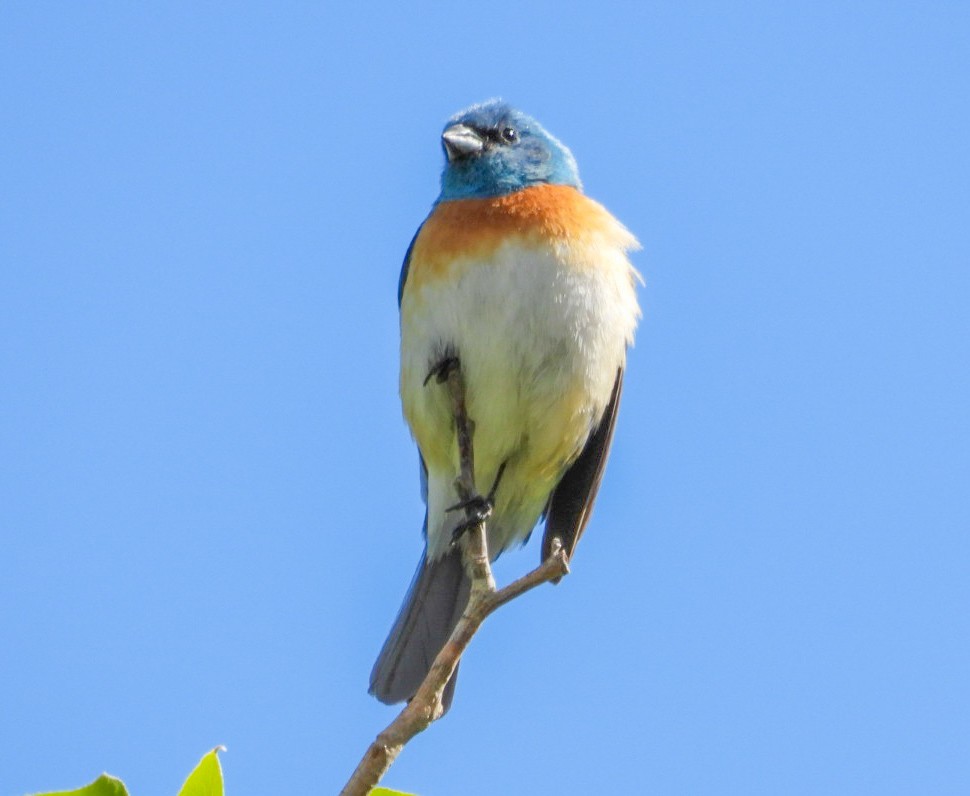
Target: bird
column 524, row 284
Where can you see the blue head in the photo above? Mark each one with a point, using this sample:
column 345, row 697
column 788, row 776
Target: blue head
column 493, row 149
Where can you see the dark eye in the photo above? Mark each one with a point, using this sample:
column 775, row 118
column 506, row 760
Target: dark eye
column 510, row 135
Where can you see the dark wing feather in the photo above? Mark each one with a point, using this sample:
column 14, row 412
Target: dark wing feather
column 572, row 499
column 405, row 267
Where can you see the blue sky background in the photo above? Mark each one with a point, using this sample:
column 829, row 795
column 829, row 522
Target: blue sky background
column 209, row 506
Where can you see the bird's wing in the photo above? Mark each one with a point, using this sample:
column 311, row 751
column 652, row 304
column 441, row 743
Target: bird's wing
column 405, row 267
column 572, row 500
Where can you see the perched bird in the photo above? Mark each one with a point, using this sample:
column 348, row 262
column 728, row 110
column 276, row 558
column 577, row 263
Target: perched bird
column 524, row 283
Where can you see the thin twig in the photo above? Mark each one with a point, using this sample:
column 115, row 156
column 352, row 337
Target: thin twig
column 475, row 551
column 464, row 430
column 426, row 706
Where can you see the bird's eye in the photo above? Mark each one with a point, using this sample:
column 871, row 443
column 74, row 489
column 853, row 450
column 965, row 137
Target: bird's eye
column 510, row 135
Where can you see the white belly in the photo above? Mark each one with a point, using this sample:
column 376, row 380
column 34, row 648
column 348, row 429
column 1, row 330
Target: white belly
column 540, row 336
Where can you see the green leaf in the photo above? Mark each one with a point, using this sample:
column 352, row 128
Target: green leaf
column 388, row 792
column 206, row 779
column 104, row 785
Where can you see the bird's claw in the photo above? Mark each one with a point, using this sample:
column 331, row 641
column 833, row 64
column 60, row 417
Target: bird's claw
column 442, row 370
column 477, row 509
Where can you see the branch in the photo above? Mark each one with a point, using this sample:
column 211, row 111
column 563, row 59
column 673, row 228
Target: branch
column 425, row 707
column 475, row 552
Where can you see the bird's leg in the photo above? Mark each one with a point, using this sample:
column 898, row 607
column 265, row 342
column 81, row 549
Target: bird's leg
column 496, row 482
column 477, row 508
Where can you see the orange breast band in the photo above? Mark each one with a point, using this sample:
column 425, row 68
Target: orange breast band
column 474, row 228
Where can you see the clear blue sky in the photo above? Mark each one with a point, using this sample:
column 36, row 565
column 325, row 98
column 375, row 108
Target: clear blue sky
column 209, row 505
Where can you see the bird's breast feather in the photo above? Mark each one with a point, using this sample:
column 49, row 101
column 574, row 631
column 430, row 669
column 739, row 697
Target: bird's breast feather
column 466, row 231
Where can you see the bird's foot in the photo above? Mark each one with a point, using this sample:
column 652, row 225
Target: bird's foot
column 477, row 509
column 443, row 369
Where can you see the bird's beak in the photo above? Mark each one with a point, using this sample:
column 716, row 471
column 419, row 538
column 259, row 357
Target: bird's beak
column 461, row 141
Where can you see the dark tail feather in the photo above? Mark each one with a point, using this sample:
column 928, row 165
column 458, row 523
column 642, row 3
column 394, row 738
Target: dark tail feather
column 433, row 606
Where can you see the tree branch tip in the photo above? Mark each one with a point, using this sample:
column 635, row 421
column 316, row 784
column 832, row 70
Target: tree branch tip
column 563, row 563
column 557, row 554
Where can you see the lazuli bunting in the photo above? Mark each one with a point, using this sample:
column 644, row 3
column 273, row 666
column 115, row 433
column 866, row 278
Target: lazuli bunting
column 524, row 282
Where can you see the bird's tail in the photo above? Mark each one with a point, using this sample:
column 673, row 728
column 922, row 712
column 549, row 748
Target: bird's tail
column 433, row 605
